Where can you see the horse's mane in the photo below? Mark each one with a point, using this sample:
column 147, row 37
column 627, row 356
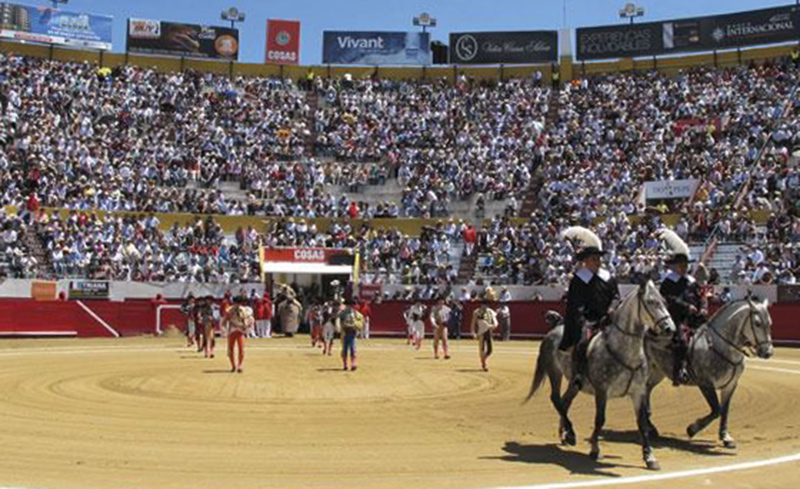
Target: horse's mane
column 728, row 308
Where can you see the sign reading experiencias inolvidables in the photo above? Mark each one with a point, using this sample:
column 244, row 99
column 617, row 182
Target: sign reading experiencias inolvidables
column 754, row 27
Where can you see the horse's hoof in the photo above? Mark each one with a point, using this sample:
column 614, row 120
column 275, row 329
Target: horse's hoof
column 595, row 455
column 570, row 439
column 652, row 464
column 653, row 432
column 691, row 430
column 730, row 444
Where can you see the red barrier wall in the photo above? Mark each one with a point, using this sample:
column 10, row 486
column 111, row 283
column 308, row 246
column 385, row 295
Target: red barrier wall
column 527, row 318
column 136, row 317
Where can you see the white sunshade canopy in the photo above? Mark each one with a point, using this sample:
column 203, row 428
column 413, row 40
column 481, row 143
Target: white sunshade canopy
column 313, row 268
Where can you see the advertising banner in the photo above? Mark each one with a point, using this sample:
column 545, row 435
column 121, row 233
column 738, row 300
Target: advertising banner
column 170, row 38
column 503, row 47
column 283, row 42
column 670, row 189
column 618, row 41
column 43, row 290
column 376, row 48
column 305, row 255
column 765, row 26
column 88, row 289
column 54, row 26
column 754, row 27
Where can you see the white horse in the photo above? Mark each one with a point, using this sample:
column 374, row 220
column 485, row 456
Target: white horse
column 617, row 366
column 716, row 359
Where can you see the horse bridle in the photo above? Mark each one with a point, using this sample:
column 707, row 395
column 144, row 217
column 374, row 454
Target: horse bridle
column 641, row 303
column 750, row 319
column 616, row 357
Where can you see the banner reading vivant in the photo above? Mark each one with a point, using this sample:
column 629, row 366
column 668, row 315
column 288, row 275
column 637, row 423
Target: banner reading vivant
column 376, row 48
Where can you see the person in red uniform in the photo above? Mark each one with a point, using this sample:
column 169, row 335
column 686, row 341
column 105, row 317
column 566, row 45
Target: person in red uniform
column 226, row 304
column 263, row 314
column 236, row 325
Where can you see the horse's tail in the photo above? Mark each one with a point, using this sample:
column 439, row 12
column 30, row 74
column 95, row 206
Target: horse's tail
column 541, row 368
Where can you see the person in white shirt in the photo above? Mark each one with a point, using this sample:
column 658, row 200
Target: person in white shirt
column 415, row 318
column 440, row 318
column 484, row 322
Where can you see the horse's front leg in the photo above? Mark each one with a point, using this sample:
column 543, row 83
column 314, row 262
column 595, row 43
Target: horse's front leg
column 649, row 410
column 567, row 433
column 724, row 436
column 713, row 402
column 599, row 420
column 640, row 408
column 564, row 426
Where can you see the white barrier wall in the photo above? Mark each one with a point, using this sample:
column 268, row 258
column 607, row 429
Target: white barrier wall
column 21, row 288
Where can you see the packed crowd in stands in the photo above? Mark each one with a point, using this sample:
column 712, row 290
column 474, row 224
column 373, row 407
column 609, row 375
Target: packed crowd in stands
column 134, row 249
column 16, row 259
column 446, row 141
column 134, row 139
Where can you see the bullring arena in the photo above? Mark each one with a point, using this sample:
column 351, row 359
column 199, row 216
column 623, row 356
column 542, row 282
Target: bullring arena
column 183, row 188
column 148, row 412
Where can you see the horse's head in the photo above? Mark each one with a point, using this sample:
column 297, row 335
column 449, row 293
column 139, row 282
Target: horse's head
column 757, row 331
column 653, row 313
column 553, row 319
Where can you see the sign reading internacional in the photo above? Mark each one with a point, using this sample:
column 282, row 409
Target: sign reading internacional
column 283, row 42
column 765, row 26
column 376, row 48
column 54, row 26
column 170, row 38
column 503, row 47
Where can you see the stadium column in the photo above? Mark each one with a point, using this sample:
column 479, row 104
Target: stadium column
column 565, row 69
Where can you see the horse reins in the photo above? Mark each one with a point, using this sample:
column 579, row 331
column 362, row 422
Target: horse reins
column 731, row 344
column 614, row 355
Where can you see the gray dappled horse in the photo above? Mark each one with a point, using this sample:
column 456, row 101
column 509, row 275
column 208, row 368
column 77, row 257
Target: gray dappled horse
column 617, row 366
column 715, row 359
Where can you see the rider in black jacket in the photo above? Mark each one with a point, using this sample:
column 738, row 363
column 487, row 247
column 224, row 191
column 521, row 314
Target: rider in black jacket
column 685, row 304
column 592, row 294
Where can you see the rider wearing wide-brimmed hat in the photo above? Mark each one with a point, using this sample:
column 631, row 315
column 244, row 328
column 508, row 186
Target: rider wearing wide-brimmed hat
column 684, row 298
column 593, row 292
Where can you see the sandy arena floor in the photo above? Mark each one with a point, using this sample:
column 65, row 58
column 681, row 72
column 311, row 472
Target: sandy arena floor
column 150, row 413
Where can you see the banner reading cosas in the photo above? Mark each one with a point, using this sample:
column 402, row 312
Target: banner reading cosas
column 376, row 48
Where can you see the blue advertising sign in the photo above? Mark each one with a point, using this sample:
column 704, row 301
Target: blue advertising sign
column 54, row 26
column 376, row 48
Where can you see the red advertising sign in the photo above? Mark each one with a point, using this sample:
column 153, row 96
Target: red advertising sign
column 301, row 255
column 283, row 42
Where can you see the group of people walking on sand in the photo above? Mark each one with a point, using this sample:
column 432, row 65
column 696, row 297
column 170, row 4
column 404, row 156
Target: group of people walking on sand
column 204, row 317
column 237, row 320
column 444, row 315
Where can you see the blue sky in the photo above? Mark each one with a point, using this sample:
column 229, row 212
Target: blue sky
column 453, row 15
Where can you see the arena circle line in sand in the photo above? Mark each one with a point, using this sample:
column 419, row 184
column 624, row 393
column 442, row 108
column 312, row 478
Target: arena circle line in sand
column 622, row 480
